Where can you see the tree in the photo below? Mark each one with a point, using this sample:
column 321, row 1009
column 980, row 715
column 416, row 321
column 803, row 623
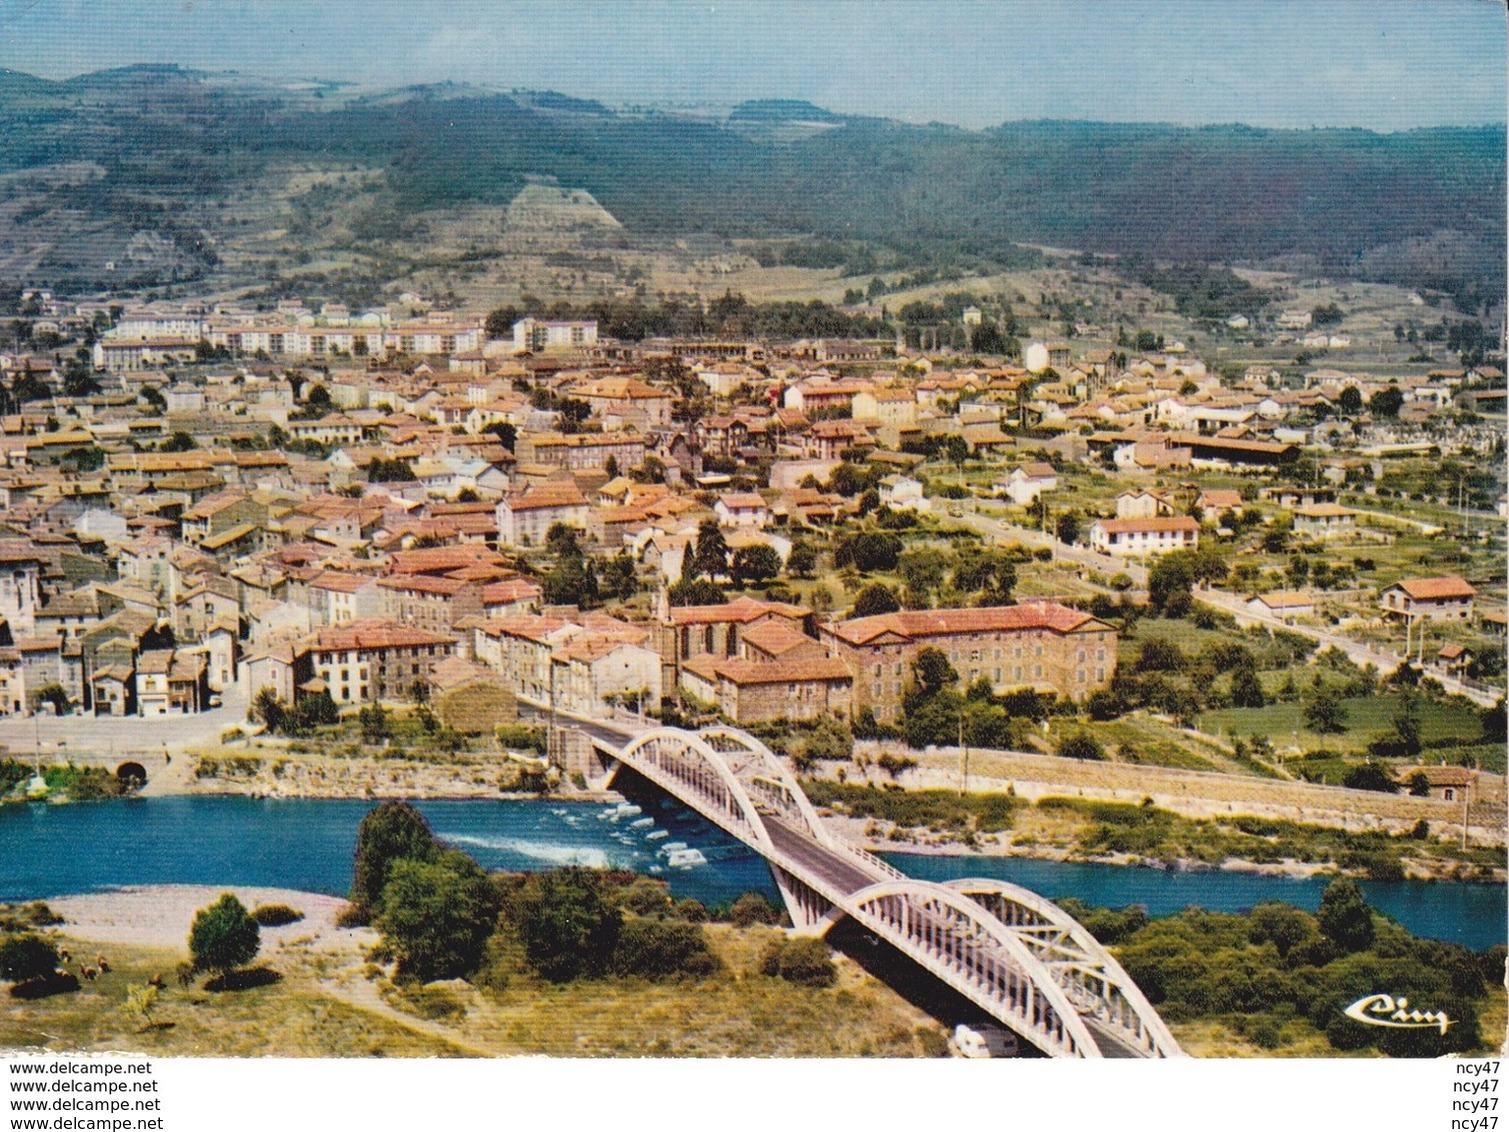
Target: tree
column 1495, row 722
column 395, row 470
column 956, row 448
column 696, row 591
column 1407, row 724
column 711, row 556
column 875, row 599
column 27, row 956
column 618, row 580
column 223, row 936
column 867, row 551
column 571, row 581
column 1322, row 711
column 393, row 831
column 932, row 672
column 506, row 433
column 1067, row 527
column 1370, row 776
column 1386, row 402
column 436, row 916
column 1169, row 584
column 154, row 399
column 755, row 564
column 1246, row 688
column 567, row 924
column 802, row 560
column 318, row 403
column 373, row 721
column 267, row 707
column 1344, row 916
column 1350, row 401
column 1082, row 747
column 180, row 441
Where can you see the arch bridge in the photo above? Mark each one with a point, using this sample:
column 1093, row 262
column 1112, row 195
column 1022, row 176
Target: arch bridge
column 1016, row 956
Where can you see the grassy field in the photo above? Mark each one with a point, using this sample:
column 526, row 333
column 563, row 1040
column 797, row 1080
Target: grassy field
column 325, row 1006
column 1367, row 717
column 289, row 1018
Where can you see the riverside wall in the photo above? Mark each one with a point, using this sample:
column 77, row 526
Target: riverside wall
column 1199, row 794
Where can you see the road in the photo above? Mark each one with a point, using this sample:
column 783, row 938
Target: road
column 106, row 738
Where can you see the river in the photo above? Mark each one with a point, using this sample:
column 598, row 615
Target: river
column 307, row 844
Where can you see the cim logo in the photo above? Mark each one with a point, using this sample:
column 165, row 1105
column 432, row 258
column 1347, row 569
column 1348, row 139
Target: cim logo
column 1395, row 1014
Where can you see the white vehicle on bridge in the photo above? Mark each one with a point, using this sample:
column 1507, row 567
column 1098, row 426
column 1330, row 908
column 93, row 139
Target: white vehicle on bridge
column 982, row 1040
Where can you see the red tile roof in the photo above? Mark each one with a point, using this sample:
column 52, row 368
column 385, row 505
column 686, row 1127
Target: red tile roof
column 922, row 623
column 1436, row 589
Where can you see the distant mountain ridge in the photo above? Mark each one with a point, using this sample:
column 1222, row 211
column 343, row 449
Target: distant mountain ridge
column 1339, row 202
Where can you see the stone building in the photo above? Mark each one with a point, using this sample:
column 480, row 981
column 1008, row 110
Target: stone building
column 1040, row 645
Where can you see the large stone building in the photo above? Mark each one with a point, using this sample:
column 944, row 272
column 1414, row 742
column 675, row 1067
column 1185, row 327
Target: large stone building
column 1039, row 645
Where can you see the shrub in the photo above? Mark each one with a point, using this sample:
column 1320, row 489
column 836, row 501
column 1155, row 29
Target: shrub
column 658, row 950
column 275, row 915
column 26, row 957
column 223, row 936
column 752, row 908
column 1081, row 747
column 807, row 962
column 567, row 924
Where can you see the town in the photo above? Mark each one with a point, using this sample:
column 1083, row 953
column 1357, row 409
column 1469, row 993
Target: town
column 273, row 518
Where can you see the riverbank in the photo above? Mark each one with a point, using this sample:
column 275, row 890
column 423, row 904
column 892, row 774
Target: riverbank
column 160, row 916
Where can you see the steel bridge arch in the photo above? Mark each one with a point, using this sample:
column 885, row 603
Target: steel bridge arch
column 664, row 744
column 778, row 776
column 1070, row 1037
column 1074, row 958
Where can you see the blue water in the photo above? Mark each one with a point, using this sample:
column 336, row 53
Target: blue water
column 307, row 844
column 1475, row 915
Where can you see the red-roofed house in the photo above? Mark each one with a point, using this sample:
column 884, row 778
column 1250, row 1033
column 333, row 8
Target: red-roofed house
column 1125, row 538
column 1433, row 599
column 749, row 691
column 742, row 509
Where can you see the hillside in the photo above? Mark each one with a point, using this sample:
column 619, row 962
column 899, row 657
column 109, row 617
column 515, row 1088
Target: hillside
column 183, row 153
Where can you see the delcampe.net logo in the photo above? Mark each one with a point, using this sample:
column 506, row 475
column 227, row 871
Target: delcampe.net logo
column 1395, row 1014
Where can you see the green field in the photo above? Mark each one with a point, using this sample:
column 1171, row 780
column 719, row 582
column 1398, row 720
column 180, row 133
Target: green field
column 1445, row 725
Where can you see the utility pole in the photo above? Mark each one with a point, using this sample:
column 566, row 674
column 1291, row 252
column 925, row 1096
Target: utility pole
column 964, row 756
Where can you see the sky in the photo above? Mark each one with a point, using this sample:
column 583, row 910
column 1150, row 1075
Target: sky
column 1375, row 64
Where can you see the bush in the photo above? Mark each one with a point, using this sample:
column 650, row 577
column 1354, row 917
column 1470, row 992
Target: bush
column 806, row 962
column 275, row 915
column 26, row 957
column 567, row 924
column 223, row 936
column 659, row 950
column 752, row 908
column 1081, row 747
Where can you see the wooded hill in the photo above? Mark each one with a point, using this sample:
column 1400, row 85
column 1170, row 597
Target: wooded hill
column 1420, row 208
